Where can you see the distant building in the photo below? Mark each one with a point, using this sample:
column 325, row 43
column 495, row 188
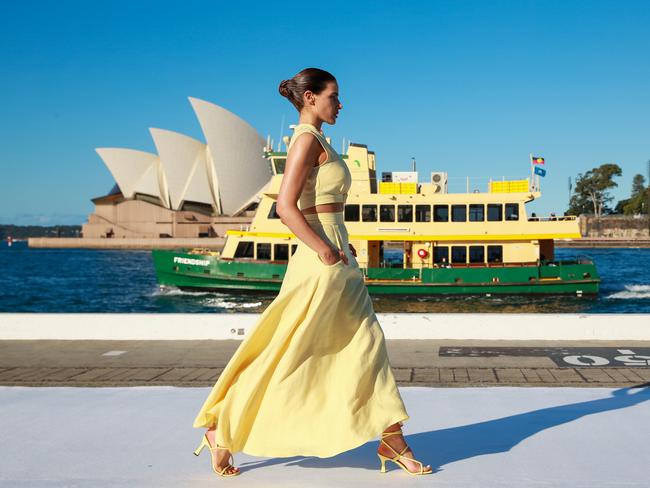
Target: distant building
column 187, row 189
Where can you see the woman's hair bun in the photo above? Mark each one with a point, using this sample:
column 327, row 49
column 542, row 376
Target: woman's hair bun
column 284, row 88
column 312, row 79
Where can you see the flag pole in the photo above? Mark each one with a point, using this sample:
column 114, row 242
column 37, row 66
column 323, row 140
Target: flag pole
column 532, row 175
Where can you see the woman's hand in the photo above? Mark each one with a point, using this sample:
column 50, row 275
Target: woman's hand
column 329, row 257
column 352, row 250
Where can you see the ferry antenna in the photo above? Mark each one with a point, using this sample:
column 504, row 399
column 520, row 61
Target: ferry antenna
column 281, row 133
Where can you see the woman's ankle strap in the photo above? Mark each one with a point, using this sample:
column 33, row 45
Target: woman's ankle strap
column 392, row 432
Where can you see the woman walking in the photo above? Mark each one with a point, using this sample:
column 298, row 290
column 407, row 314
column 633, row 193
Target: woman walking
column 312, row 378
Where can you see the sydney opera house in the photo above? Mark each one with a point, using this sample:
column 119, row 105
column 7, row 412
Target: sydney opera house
column 188, row 188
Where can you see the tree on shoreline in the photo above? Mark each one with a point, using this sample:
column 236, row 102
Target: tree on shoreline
column 637, row 203
column 591, row 193
column 639, row 198
column 26, row 231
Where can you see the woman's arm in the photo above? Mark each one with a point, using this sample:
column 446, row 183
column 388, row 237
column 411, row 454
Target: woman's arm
column 300, row 160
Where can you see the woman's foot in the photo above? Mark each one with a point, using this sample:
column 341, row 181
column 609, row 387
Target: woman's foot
column 397, row 442
column 222, row 455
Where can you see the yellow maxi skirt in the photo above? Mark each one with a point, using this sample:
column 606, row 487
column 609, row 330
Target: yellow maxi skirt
column 312, row 378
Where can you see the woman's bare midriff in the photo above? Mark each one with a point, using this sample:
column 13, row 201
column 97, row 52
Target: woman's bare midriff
column 326, row 207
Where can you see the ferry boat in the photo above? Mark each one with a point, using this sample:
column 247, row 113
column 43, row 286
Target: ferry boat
column 469, row 242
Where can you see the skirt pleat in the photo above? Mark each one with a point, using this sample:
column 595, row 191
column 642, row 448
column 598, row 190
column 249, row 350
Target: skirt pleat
column 312, row 378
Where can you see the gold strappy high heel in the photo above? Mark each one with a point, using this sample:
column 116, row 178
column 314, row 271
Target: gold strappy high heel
column 205, row 442
column 399, row 455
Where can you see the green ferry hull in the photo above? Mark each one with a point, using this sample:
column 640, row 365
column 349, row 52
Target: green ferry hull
column 211, row 273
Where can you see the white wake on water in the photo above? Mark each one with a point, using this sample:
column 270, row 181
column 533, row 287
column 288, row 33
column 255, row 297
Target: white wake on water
column 631, row 292
column 171, row 291
column 221, row 303
column 214, row 298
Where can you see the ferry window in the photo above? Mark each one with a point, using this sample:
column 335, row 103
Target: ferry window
column 458, row 213
column 352, row 213
column 263, row 250
column 476, row 213
column 441, row 213
column 273, row 214
column 441, row 254
column 495, row 212
column 279, row 165
column 476, row 254
column 244, row 249
column 280, row 252
column 387, row 213
column 293, row 248
column 405, row 213
column 512, row 211
column 458, row 254
column 423, row 213
column 369, row 213
column 495, row 254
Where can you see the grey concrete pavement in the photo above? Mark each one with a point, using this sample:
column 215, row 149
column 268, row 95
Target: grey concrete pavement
column 448, row 363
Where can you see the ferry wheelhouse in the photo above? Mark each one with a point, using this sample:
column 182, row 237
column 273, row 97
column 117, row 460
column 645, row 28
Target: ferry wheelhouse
column 471, row 242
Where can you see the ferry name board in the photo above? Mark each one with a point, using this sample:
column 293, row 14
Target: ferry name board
column 195, row 262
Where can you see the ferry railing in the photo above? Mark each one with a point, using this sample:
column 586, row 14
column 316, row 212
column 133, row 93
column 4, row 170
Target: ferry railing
column 551, row 218
column 580, row 259
column 475, row 184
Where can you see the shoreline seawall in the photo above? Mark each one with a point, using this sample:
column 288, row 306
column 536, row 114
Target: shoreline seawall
column 216, row 243
column 602, row 242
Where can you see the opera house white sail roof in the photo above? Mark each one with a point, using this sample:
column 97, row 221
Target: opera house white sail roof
column 227, row 173
column 135, row 172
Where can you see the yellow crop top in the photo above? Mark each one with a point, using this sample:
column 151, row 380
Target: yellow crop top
column 328, row 182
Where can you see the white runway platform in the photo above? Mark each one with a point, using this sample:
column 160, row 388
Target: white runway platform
column 473, row 437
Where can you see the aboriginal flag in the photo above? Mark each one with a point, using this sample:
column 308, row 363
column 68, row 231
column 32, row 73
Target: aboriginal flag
column 538, row 160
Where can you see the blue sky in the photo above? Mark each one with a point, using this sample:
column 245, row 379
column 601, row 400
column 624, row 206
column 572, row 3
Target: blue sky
column 467, row 87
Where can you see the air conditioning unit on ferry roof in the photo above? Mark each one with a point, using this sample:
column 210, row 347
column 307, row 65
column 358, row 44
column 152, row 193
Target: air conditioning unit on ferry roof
column 439, row 182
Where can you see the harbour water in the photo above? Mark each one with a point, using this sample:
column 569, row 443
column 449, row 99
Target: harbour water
column 80, row 280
